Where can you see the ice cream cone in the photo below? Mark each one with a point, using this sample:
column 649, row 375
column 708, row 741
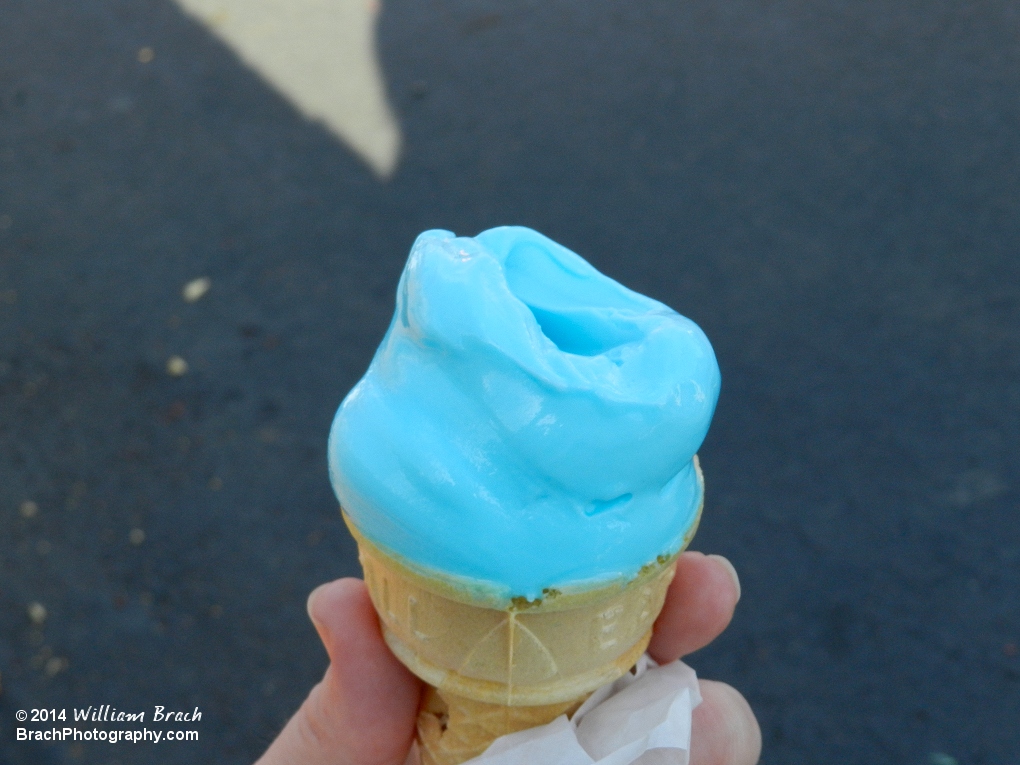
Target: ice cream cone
column 497, row 668
column 453, row 729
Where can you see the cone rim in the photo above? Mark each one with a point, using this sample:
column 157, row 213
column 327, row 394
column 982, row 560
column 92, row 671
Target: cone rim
column 481, row 593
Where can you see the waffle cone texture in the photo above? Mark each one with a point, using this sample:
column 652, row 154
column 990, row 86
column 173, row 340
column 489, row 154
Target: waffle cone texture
column 495, row 670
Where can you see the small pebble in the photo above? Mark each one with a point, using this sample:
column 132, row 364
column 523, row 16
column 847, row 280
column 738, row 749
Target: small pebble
column 56, row 665
column 6, row 222
column 146, row 55
column 37, row 613
column 28, row 509
column 215, row 483
column 136, row 536
column 176, row 366
column 195, row 290
column 941, row 758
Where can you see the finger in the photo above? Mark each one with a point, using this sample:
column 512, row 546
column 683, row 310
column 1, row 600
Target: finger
column 724, row 730
column 699, row 605
column 363, row 712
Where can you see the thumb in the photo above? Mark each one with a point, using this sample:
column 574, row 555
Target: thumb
column 363, row 712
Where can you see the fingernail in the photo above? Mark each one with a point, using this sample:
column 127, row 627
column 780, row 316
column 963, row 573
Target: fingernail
column 730, row 570
column 308, row 606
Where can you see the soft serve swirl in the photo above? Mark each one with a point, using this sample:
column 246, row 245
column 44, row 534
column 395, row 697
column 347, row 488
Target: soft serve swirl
column 527, row 422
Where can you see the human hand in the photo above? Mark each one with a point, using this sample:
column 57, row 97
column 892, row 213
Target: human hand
column 364, row 710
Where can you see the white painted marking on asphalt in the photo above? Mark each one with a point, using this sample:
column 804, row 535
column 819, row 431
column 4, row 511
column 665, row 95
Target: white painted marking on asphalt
column 321, row 55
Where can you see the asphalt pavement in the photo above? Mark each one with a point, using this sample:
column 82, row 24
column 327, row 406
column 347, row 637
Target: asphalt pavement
column 830, row 189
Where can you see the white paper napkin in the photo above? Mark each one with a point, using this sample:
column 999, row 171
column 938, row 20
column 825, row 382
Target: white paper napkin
column 644, row 718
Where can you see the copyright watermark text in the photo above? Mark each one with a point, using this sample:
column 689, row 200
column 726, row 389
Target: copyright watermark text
column 99, row 723
column 110, row 736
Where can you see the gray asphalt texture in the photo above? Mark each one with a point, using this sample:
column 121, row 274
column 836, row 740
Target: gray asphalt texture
column 830, row 189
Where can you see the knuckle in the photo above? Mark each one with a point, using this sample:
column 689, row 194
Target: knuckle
column 314, row 730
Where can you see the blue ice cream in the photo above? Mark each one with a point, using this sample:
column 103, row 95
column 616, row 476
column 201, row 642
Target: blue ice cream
column 527, row 422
